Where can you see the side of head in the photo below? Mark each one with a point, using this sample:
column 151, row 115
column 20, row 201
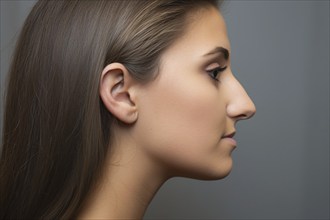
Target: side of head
column 56, row 129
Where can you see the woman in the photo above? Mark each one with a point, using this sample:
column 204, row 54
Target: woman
column 107, row 100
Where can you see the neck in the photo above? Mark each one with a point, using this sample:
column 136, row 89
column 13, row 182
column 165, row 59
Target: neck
column 129, row 183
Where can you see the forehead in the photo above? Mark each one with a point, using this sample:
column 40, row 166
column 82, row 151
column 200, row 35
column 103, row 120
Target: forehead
column 206, row 31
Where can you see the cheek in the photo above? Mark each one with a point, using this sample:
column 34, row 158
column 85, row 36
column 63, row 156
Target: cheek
column 193, row 112
column 182, row 121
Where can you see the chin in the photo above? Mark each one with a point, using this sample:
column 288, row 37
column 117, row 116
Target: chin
column 212, row 172
column 217, row 175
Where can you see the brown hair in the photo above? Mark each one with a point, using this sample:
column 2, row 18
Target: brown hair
column 56, row 130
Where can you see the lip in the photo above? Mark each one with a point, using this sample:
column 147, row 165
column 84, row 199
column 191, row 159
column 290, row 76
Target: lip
column 229, row 137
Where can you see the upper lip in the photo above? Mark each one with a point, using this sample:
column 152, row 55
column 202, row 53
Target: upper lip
column 229, row 135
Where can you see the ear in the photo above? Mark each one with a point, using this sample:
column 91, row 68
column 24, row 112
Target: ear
column 117, row 92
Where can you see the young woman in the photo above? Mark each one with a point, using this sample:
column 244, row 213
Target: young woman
column 107, row 100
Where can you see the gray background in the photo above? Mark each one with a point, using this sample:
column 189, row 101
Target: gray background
column 280, row 53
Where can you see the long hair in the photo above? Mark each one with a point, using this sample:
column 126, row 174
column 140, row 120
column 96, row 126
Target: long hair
column 57, row 131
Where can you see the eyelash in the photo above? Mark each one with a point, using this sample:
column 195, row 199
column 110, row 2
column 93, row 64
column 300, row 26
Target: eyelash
column 215, row 72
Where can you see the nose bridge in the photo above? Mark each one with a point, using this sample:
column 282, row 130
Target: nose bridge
column 240, row 106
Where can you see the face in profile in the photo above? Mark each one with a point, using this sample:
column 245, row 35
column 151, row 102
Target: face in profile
column 188, row 113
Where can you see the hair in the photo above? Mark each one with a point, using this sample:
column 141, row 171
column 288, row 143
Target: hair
column 56, row 129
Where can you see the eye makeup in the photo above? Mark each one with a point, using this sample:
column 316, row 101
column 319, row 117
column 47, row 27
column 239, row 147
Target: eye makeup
column 218, row 57
column 214, row 72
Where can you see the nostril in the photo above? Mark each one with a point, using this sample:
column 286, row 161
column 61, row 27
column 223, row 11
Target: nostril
column 242, row 117
column 241, row 110
column 246, row 116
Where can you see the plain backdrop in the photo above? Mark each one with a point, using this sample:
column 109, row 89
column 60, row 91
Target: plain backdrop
column 280, row 53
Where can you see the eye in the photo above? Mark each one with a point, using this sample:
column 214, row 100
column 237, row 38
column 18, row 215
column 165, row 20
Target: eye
column 214, row 73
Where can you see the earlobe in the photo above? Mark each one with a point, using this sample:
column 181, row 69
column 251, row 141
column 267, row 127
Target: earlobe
column 117, row 92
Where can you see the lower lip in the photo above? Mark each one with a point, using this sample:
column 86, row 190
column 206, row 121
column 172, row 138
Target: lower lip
column 231, row 140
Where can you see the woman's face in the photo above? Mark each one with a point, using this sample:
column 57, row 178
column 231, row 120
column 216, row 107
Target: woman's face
column 188, row 110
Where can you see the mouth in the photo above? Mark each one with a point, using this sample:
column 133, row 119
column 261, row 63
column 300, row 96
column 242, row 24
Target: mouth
column 229, row 135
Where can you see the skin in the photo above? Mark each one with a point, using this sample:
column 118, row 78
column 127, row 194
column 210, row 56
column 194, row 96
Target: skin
column 173, row 126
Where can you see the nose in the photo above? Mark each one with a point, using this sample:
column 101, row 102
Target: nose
column 240, row 106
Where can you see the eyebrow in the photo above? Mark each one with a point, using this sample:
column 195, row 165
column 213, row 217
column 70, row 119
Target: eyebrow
column 221, row 50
